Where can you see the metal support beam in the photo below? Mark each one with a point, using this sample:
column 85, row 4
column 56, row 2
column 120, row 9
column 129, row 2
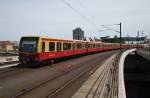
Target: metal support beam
column 120, row 37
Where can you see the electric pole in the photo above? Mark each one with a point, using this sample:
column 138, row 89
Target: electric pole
column 138, row 35
column 120, row 36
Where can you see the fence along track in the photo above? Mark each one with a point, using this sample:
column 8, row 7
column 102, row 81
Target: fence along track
column 110, row 89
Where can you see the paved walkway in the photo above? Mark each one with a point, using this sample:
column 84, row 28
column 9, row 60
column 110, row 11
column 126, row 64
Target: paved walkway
column 144, row 54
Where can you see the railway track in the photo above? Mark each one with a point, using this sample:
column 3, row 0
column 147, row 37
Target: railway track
column 105, row 72
column 70, row 66
column 54, row 92
column 11, row 71
column 15, row 71
column 68, row 83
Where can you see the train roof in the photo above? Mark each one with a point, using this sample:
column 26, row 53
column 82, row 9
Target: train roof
column 46, row 37
column 71, row 40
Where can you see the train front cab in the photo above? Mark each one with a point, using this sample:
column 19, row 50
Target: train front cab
column 29, row 52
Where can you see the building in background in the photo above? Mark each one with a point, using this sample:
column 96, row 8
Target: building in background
column 97, row 39
column 126, row 40
column 78, row 34
column 6, row 46
column 15, row 45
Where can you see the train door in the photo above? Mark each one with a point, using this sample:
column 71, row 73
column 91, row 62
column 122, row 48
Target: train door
column 74, row 46
column 43, row 46
column 59, row 46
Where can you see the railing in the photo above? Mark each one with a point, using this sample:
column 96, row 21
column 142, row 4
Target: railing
column 145, row 52
column 110, row 84
column 145, row 49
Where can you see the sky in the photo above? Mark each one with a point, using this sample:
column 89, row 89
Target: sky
column 54, row 18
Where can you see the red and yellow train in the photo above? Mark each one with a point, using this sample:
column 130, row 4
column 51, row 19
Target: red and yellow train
column 35, row 50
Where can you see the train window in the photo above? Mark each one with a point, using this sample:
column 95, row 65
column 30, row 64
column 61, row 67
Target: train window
column 104, row 45
column 59, row 46
column 82, row 46
column 93, row 45
column 43, row 46
column 99, row 45
column 66, row 46
column 73, row 46
column 51, row 46
column 79, row 46
column 96, row 45
column 86, row 45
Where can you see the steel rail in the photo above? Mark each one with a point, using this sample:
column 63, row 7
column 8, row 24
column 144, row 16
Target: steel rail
column 68, row 83
column 51, row 79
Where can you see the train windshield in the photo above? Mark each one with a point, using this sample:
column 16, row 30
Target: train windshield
column 28, row 44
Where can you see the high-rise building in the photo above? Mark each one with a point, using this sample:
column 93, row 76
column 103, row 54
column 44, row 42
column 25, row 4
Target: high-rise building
column 78, row 34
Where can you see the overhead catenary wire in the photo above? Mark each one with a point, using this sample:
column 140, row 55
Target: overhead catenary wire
column 86, row 9
column 106, row 26
column 80, row 14
column 104, row 30
column 110, row 25
column 87, row 19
